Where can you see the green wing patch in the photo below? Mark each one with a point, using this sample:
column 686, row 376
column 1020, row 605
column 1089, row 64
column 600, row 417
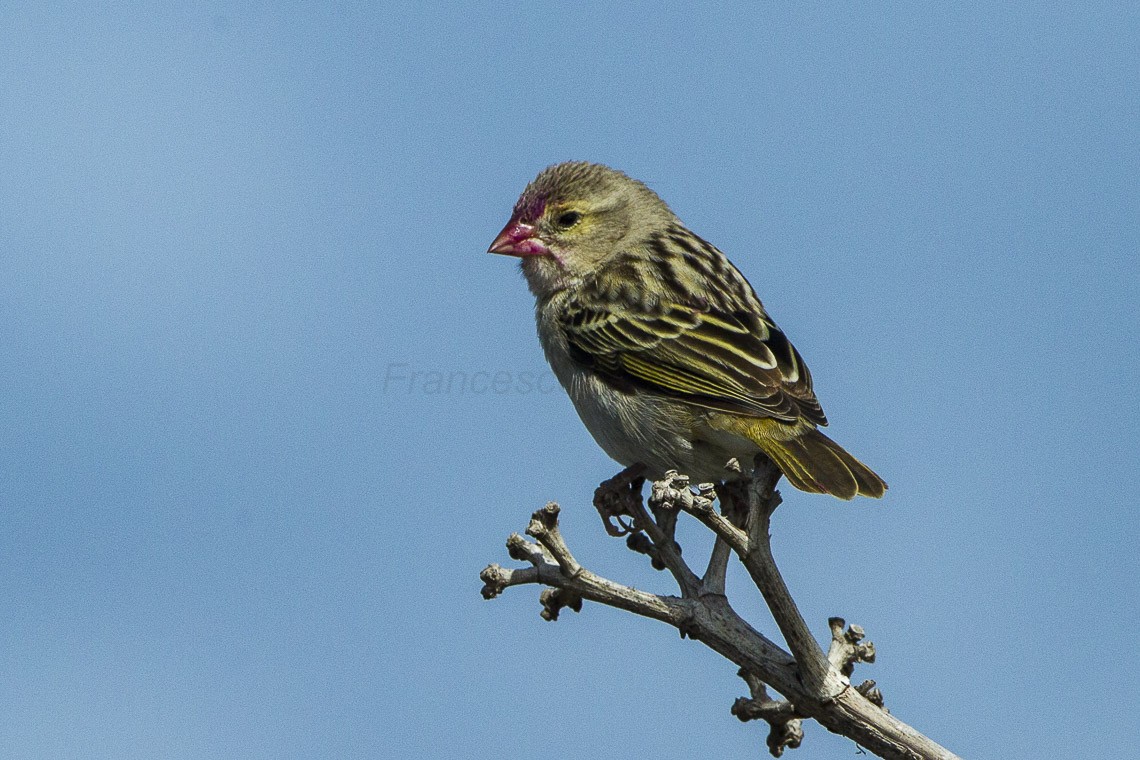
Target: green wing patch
column 737, row 362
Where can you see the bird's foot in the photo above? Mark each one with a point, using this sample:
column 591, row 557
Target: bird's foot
column 615, row 498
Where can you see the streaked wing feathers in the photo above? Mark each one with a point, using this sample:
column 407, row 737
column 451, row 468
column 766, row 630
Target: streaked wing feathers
column 731, row 361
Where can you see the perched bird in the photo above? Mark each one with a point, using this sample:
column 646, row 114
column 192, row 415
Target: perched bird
column 663, row 346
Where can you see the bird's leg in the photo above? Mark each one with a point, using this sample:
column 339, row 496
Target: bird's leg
column 618, row 498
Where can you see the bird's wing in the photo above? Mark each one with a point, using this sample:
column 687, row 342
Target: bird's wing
column 736, row 361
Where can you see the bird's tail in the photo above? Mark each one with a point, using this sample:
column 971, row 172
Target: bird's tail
column 814, row 463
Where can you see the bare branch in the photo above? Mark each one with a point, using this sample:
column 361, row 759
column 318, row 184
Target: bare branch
column 496, row 578
column 813, row 685
column 712, row 582
column 544, row 527
column 553, row 565
column 674, row 489
column 715, row 574
column 756, row 500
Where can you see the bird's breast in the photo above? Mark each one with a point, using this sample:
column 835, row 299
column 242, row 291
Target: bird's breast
column 636, row 425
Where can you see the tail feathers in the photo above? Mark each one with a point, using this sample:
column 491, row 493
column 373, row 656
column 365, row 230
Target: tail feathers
column 814, row 463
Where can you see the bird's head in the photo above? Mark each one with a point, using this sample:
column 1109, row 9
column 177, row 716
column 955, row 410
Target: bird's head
column 572, row 217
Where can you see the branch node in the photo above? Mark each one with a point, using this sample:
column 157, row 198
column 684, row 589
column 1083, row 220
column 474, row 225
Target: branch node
column 642, row 544
column 785, row 726
column 871, row 691
column 555, row 599
column 522, row 550
column 672, row 492
column 543, row 520
column 789, row 733
column 495, row 580
column 689, row 628
column 544, row 528
column 847, row 646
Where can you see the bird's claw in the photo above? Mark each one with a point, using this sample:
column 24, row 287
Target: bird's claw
column 614, row 497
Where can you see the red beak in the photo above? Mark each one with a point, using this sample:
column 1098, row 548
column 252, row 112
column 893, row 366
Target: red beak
column 518, row 239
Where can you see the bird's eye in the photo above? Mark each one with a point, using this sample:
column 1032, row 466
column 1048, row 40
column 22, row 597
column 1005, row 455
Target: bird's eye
column 568, row 218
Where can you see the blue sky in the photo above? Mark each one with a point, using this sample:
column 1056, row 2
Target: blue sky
column 268, row 407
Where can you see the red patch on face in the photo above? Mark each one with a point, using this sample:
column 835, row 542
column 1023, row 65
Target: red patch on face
column 529, row 209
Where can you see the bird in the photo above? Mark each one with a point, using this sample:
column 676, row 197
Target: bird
column 662, row 345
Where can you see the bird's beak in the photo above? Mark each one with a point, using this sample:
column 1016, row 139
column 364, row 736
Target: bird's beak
column 518, row 239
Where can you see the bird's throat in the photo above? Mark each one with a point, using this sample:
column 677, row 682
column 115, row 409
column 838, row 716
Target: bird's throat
column 545, row 275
